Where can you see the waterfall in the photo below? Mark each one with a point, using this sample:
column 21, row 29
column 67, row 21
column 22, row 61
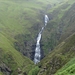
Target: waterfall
column 37, row 55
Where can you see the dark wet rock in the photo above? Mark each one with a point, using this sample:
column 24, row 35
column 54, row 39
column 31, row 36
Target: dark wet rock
column 25, row 73
column 5, row 69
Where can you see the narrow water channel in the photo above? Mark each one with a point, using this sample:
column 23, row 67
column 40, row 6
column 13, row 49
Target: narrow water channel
column 37, row 55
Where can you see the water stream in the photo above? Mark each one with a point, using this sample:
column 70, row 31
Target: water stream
column 37, row 55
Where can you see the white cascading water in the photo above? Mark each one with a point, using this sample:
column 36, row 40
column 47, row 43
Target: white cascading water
column 37, row 56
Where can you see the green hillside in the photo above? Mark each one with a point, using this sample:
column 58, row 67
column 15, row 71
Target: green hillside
column 60, row 26
column 21, row 21
column 68, row 69
column 63, row 53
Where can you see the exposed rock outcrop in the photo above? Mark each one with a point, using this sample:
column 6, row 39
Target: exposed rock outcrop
column 5, row 69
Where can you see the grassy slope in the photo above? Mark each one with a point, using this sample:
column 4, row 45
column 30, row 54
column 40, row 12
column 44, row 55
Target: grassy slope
column 68, row 69
column 63, row 53
column 1, row 73
column 16, row 17
column 69, row 22
column 10, row 25
column 11, row 57
column 61, row 26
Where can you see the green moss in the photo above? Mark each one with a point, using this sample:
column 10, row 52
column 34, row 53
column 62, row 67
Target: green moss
column 34, row 71
column 1, row 73
column 68, row 69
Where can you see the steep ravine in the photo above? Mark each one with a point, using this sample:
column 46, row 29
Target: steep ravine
column 26, row 43
column 19, row 25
